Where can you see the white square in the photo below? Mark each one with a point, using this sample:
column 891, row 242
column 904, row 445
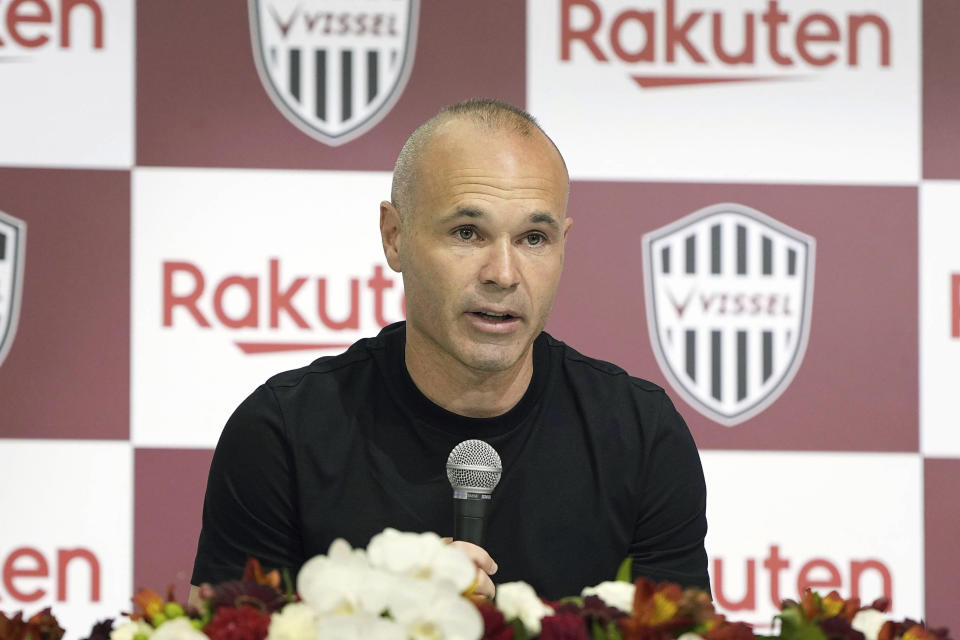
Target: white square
column 73, row 529
column 784, row 113
column 67, row 83
column 939, row 312
column 852, row 520
column 238, row 230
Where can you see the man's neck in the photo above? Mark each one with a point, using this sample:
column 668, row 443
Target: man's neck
column 459, row 389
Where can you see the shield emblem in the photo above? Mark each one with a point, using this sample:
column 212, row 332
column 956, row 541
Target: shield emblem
column 729, row 294
column 334, row 68
column 13, row 235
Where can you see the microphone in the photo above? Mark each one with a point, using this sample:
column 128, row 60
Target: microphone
column 473, row 469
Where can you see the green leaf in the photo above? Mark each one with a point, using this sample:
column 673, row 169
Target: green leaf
column 577, row 600
column 596, row 631
column 519, row 631
column 793, row 626
column 625, row 573
column 613, row 631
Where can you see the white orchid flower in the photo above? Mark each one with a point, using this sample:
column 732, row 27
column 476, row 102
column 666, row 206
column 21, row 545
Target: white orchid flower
column 867, row 622
column 519, row 600
column 129, row 630
column 431, row 611
column 422, row 555
column 358, row 627
column 177, row 629
column 335, row 583
column 614, row 594
column 296, row 621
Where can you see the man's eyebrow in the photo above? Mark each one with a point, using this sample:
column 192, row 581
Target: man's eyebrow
column 463, row 212
column 539, row 217
column 544, row 218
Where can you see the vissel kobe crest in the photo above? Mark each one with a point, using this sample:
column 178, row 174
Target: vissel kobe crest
column 12, row 243
column 729, row 292
column 334, row 68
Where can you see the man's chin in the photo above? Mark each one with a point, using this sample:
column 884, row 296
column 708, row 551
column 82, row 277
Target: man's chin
column 492, row 360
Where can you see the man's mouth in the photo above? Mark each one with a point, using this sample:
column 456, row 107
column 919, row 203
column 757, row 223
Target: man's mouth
column 491, row 316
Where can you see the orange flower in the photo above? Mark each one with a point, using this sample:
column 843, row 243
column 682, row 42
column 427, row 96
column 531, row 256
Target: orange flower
column 148, row 604
column 918, row 632
column 253, row 572
column 662, row 609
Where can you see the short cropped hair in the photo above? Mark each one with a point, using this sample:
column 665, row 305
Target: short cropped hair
column 490, row 113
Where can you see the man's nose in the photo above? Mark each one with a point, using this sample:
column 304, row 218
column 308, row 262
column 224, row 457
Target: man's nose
column 500, row 267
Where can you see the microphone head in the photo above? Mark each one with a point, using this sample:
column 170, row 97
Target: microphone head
column 473, row 466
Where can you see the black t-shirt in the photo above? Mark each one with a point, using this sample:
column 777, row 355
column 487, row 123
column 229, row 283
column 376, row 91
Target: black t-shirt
column 596, row 465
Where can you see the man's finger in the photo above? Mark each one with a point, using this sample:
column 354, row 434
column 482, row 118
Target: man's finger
column 479, row 556
column 485, row 586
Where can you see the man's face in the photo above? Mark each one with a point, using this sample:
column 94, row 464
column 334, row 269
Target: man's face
column 481, row 251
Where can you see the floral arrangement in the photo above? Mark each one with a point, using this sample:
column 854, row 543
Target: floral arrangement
column 415, row 586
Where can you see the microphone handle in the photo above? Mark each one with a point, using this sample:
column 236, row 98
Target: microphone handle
column 468, row 515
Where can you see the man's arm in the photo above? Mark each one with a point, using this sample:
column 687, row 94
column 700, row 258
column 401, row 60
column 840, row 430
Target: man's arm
column 669, row 534
column 249, row 509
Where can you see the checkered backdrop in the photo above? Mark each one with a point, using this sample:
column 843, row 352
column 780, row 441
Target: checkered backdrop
column 767, row 206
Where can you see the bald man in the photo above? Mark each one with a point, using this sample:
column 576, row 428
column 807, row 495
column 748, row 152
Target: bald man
column 598, row 465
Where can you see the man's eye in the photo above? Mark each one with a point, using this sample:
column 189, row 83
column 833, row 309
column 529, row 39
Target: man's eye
column 466, row 233
column 534, row 239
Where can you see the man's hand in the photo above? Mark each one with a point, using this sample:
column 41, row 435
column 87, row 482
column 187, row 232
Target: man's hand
column 486, row 567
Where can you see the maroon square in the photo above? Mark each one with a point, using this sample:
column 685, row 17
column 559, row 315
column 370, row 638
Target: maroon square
column 168, row 502
column 67, row 374
column 941, row 524
column 201, row 103
column 941, row 89
column 856, row 389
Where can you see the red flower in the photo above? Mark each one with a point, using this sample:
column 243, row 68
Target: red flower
column 563, row 626
column 494, row 625
column 245, row 623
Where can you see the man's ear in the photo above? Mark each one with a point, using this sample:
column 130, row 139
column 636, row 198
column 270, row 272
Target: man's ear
column 391, row 227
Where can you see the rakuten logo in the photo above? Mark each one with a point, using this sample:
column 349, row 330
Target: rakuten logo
column 29, row 26
column 865, row 578
column 266, row 301
column 29, row 575
column 720, row 45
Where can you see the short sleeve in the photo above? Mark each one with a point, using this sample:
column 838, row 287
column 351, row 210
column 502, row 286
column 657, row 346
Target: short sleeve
column 249, row 509
column 668, row 543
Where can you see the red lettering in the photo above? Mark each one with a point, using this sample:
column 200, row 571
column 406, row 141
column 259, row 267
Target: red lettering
column 857, row 567
column 40, row 15
column 378, row 284
column 252, row 317
column 587, row 36
column 677, row 34
column 353, row 319
column 281, row 300
column 774, row 564
column 749, row 599
column 955, row 304
column 772, row 304
column 11, row 572
column 310, row 19
column 854, row 24
column 804, row 35
column 804, row 580
column 773, row 18
column 66, row 9
column 188, row 301
column 64, row 557
column 647, row 52
column 746, row 53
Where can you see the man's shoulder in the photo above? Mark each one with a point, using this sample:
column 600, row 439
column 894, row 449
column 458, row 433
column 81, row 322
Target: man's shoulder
column 357, row 359
column 595, row 369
